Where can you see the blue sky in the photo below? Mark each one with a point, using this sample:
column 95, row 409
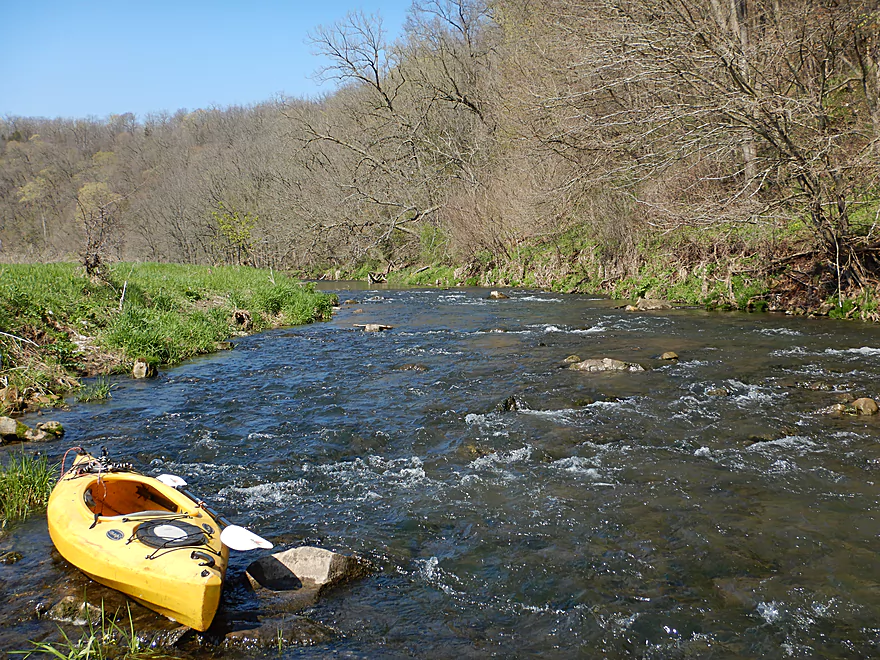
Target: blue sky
column 81, row 58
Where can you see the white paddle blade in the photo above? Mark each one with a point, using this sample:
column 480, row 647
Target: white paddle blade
column 172, row 480
column 239, row 538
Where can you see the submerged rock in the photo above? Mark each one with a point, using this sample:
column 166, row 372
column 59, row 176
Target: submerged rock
column 11, row 557
column 414, row 366
column 865, row 406
column 280, row 632
column 605, row 364
column 71, row 609
column 571, row 359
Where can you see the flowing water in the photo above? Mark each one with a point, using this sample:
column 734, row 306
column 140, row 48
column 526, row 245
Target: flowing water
column 704, row 508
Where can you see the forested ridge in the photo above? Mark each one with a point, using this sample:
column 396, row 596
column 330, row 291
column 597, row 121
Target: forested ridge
column 717, row 146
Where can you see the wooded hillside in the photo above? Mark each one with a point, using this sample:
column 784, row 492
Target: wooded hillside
column 742, row 127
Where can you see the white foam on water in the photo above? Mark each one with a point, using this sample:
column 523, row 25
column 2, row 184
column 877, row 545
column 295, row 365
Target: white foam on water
column 770, row 612
column 374, row 473
column 864, row 350
column 275, row 493
column 790, row 352
column 753, row 393
column 206, row 439
column 533, row 298
column 562, row 416
column 589, row 331
column 786, row 332
column 789, row 442
column 703, row 452
column 429, row 568
column 490, row 422
column 606, row 405
column 581, row 467
column 499, row 458
column 550, row 328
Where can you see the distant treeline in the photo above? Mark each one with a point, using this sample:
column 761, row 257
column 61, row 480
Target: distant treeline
column 488, row 125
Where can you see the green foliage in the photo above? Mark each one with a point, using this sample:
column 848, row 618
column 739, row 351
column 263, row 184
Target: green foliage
column 99, row 390
column 236, row 227
column 842, row 309
column 433, row 244
column 25, row 483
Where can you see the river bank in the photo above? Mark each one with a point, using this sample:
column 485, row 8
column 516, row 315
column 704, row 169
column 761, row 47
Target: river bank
column 740, row 266
column 58, row 325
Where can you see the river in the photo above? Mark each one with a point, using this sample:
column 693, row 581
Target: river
column 702, row 508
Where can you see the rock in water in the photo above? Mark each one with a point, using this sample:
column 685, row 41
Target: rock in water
column 34, row 435
column 373, row 327
column 497, row 295
column 304, row 567
column 605, row 364
column 143, row 369
column 51, row 427
column 865, row 406
column 509, row 404
column 71, row 609
column 669, row 355
column 12, row 430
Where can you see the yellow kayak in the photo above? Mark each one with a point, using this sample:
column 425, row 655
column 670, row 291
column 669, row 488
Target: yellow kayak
column 140, row 536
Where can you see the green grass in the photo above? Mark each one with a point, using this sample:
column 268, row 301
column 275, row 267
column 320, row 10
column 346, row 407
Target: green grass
column 103, row 640
column 99, row 390
column 163, row 313
column 25, row 484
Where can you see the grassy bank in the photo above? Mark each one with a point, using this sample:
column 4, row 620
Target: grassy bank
column 738, row 266
column 58, row 324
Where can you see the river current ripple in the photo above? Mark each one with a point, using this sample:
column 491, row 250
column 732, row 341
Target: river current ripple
column 703, row 508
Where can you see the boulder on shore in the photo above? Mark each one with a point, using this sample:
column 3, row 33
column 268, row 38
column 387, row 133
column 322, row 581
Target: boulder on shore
column 605, row 364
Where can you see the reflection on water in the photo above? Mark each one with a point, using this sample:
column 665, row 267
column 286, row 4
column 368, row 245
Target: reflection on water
column 701, row 508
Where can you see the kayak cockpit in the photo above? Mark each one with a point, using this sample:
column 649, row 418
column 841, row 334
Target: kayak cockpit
column 124, row 497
